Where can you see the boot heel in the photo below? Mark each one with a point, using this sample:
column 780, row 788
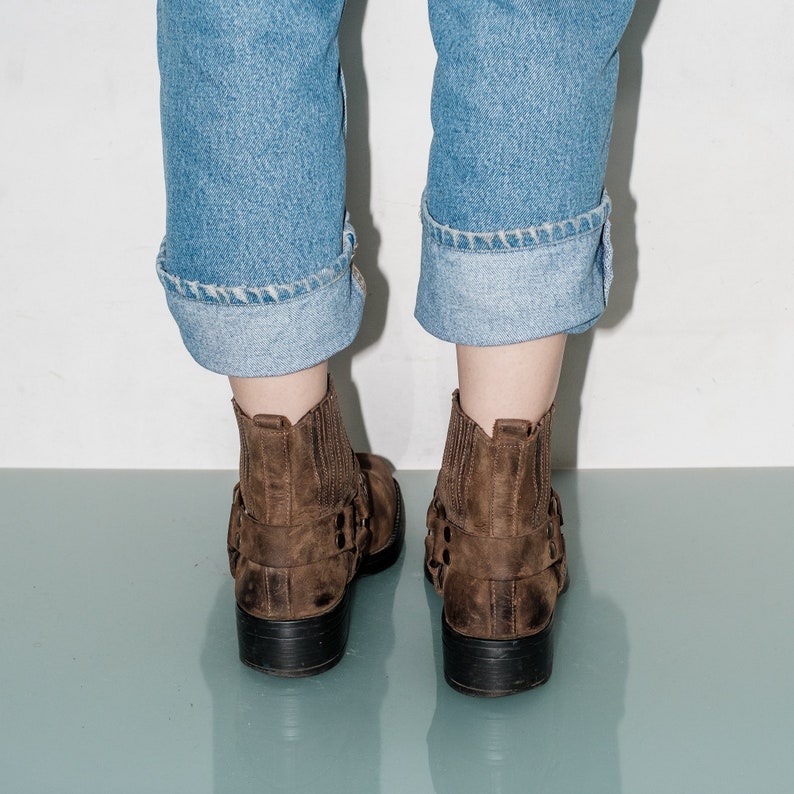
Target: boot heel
column 492, row 668
column 294, row 648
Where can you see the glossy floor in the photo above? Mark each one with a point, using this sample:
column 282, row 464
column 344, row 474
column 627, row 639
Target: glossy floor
column 674, row 663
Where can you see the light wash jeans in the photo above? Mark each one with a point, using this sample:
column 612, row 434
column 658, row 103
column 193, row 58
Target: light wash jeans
column 257, row 257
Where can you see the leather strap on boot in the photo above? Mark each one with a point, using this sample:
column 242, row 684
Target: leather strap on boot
column 492, row 558
column 273, row 546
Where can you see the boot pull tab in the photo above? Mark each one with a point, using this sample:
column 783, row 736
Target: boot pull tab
column 518, row 429
column 271, row 422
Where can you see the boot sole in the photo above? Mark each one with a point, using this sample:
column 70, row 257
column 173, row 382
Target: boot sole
column 294, row 648
column 309, row 646
column 494, row 668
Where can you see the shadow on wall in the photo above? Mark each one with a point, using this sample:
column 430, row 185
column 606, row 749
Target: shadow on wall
column 359, row 190
column 624, row 234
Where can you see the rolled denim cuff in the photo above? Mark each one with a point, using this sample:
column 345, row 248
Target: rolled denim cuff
column 503, row 287
column 247, row 332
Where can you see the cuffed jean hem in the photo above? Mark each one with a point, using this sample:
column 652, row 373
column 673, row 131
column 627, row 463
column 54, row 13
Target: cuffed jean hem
column 250, row 332
column 504, row 287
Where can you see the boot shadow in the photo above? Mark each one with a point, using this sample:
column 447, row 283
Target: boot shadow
column 302, row 735
column 560, row 737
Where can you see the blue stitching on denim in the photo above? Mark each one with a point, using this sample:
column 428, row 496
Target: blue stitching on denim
column 244, row 295
column 510, row 239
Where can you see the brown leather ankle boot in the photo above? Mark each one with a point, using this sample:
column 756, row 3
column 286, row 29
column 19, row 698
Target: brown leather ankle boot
column 307, row 516
column 495, row 552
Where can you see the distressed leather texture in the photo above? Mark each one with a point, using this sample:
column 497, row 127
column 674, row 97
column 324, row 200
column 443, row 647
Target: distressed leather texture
column 494, row 548
column 305, row 514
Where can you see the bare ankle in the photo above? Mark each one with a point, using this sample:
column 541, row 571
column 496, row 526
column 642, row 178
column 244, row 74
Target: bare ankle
column 290, row 395
column 509, row 381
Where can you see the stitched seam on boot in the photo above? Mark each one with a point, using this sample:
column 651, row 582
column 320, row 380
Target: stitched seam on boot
column 463, row 468
column 244, row 457
column 443, row 474
column 342, row 469
column 542, row 508
column 455, row 466
column 322, row 435
column 444, row 478
column 461, row 443
column 263, row 483
column 318, row 459
column 494, row 474
column 492, row 588
column 335, row 462
column 263, row 479
column 497, row 447
column 287, row 474
column 492, row 494
column 536, row 480
column 514, row 609
column 516, row 485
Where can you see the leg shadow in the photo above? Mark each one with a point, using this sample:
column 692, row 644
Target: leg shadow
column 624, row 234
column 359, row 191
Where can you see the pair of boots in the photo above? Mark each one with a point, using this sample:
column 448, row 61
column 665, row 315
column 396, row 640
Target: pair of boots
column 309, row 515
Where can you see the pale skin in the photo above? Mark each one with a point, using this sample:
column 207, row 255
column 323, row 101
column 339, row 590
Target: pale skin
column 290, row 395
column 502, row 382
column 509, row 381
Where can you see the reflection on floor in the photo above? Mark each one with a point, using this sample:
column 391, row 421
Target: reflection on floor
column 673, row 671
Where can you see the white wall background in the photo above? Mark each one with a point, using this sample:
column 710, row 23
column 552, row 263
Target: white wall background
column 693, row 365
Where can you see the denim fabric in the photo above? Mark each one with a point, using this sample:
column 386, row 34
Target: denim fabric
column 515, row 218
column 504, row 287
column 256, row 260
column 271, row 330
column 257, row 256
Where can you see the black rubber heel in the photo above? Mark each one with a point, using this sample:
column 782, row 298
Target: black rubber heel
column 294, row 648
column 493, row 668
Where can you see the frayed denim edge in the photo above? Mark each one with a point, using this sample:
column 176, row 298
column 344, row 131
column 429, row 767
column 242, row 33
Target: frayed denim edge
column 500, row 296
column 510, row 239
column 244, row 295
column 274, row 330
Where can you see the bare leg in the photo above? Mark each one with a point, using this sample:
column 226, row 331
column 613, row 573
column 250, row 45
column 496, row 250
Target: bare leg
column 290, row 395
column 509, row 381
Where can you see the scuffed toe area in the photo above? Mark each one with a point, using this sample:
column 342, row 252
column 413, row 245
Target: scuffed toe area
column 382, row 494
